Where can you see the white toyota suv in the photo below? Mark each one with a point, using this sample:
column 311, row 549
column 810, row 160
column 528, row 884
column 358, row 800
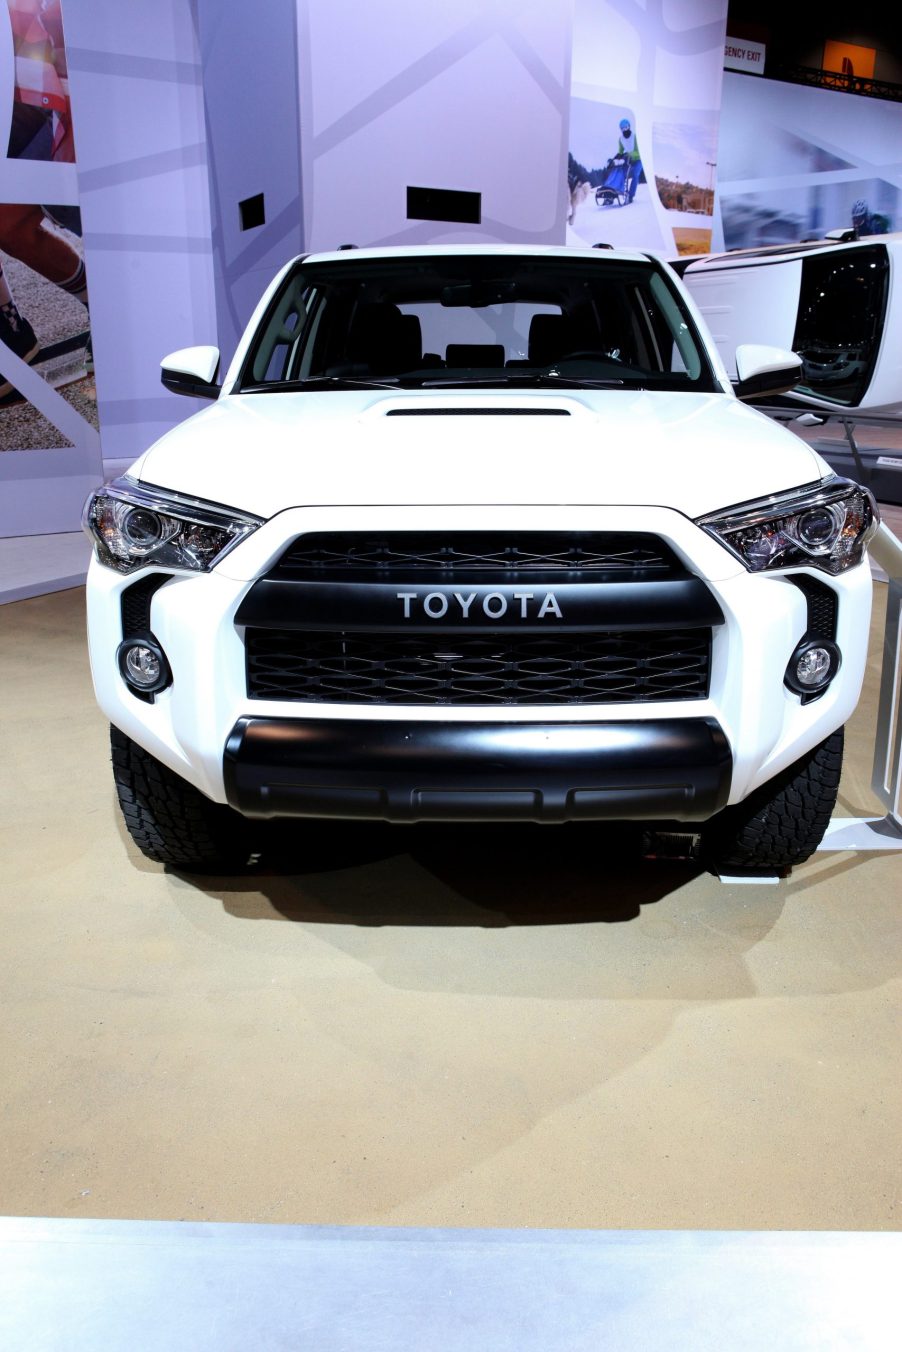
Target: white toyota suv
column 479, row 533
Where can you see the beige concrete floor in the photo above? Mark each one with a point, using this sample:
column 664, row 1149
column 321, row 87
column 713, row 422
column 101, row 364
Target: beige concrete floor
column 518, row 1027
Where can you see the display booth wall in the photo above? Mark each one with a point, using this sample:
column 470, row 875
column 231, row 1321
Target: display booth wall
column 250, row 87
column 213, row 141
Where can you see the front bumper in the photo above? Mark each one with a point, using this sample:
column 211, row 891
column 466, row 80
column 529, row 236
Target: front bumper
column 193, row 617
column 425, row 771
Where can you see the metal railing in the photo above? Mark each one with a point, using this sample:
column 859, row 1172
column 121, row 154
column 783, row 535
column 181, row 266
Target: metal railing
column 882, row 833
column 834, row 79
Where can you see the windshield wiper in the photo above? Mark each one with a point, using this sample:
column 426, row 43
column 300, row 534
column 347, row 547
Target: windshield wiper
column 525, row 378
column 322, row 383
column 519, row 379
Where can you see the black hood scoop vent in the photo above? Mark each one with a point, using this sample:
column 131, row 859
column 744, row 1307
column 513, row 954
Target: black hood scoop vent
column 491, row 412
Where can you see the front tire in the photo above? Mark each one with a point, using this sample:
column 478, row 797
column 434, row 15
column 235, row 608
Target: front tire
column 780, row 824
column 170, row 820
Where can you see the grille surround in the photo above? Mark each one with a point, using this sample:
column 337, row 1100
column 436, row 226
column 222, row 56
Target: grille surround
column 478, row 670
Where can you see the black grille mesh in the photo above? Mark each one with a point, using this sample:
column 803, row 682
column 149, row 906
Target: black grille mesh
column 822, row 605
column 316, row 555
column 491, row 670
column 136, row 601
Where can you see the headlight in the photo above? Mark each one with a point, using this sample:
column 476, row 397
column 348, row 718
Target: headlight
column 133, row 525
column 825, row 525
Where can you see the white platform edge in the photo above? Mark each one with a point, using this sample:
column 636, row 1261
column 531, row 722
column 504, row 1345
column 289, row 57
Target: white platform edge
column 34, row 565
column 736, row 881
column 862, row 833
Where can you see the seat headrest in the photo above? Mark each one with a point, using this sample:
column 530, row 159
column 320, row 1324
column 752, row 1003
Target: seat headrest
column 550, row 336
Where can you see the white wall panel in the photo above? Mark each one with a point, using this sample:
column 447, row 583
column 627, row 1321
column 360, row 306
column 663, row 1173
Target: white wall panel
column 142, row 169
column 472, row 97
column 249, row 58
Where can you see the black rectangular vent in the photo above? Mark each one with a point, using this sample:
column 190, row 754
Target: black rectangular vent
column 252, row 212
column 444, row 204
column 478, row 413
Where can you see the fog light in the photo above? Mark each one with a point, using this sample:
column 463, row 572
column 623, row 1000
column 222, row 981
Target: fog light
column 143, row 665
column 812, row 666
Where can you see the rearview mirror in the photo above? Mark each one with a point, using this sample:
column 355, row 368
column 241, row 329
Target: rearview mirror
column 477, row 295
column 192, row 371
column 764, row 370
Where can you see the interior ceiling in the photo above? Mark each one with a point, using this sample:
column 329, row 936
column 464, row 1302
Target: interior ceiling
column 789, row 29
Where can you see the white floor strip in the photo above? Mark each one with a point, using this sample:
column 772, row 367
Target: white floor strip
column 151, row 1286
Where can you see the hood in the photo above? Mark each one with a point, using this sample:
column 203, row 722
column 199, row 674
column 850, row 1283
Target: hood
column 263, row 453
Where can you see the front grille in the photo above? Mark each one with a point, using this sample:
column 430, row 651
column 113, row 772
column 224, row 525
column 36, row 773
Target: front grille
column 390, row 668
column 447, row 556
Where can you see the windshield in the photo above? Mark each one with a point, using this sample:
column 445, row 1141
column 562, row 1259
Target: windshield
column 457, row 321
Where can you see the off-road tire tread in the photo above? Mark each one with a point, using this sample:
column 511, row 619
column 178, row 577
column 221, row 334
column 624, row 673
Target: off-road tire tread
column 783, row 822
column 171, row 821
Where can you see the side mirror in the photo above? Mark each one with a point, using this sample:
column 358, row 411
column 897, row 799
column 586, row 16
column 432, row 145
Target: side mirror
column 192, row 371
column 763, row 370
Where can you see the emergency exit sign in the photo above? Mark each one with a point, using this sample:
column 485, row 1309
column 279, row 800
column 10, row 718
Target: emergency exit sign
column 741, row 55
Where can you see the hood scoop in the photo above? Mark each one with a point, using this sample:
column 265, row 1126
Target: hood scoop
column 492, row 411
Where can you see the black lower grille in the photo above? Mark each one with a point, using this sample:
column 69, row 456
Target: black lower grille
column 389, row 668
column 136, row 601
column 822, row 605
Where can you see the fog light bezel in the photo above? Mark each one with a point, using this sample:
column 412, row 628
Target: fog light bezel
column 143, row 641
column 792, row 681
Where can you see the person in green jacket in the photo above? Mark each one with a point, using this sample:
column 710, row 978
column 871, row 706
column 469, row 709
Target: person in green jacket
column 628, row 147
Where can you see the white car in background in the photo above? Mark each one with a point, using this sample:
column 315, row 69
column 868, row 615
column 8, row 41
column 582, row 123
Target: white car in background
column 484, row 534
column 837, row 303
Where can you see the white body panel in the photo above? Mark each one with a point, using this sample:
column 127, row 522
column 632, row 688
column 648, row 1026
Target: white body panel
column 697, row 453
column 747, row 305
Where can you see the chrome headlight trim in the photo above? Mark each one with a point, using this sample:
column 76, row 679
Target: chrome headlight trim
column 136, row 525
column 768, row 534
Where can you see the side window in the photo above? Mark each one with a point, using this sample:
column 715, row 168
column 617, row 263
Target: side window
column 678, row 350
column 273, row 357
column 842, row 307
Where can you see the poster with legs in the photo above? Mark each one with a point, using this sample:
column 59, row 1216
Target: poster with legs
column 48, row 401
